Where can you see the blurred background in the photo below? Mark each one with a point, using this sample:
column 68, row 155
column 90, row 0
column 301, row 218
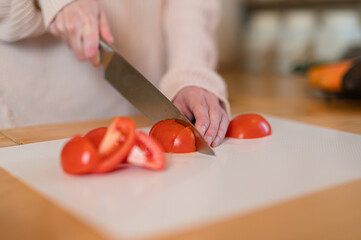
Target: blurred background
column 282, row 36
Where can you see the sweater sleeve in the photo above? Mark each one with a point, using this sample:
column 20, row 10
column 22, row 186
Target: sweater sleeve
column 19, row 19
column 50, row 8
column 190, row 27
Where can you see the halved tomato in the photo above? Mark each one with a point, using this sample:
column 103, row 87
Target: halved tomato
column 174, row 136
column 96, row 136
column 248, row 126
column 79, row 156
column 116, row 144
column 147, row 153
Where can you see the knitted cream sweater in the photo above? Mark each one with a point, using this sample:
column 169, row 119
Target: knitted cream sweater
column 170, row 41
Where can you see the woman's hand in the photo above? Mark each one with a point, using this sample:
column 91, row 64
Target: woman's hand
column 205, row 108
column 79, row 25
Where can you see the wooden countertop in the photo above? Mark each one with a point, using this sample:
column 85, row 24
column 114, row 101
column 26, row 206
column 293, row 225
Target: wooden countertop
column 333, row 213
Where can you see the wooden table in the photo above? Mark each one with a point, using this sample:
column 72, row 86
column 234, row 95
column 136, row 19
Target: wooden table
column 333, row 213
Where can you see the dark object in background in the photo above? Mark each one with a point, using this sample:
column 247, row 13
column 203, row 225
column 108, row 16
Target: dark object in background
column 353, row 52
column 342, row 77
column 303, row 67
column 351, row 82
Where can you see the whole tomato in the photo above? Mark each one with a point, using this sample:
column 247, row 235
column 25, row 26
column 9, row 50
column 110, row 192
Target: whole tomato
column 174, row 136
column 248, row 126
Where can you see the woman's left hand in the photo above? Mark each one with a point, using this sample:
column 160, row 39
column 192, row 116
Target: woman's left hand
column 204, row 107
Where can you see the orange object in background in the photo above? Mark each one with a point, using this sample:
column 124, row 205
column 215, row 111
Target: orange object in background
column 329, row 77
column 339, row 77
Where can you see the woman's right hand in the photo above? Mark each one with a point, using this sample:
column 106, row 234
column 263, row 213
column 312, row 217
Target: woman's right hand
column 80, row 25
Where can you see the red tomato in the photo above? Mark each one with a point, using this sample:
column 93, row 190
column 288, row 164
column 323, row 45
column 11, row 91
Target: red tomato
column 96, row 136
column 116, row 144
column 79, row 156
column 147, row 153
column 173, row 136
column 248, row 126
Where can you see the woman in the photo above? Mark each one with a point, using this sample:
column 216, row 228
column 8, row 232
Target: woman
column 170, row 41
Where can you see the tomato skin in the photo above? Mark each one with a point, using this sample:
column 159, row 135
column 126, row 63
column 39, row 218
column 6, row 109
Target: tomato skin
column 248, row 126
column 185, row 142
column 173, row 136
column 119, row 149
column 79, row 156
column 96, row 135
column 147, row 153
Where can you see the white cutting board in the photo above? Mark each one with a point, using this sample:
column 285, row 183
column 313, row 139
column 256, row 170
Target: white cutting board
column 194, row 189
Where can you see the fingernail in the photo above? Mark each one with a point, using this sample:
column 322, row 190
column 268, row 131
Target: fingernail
column 216, row 142
column 209, row 140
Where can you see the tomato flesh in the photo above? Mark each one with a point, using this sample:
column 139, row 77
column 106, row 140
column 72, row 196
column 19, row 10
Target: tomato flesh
column 116, row 144
column 79, row 156
column 173, row 136
column 248, row 126
column 147, row 153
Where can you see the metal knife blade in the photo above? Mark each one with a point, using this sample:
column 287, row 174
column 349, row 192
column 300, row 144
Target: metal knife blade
column 143, row 94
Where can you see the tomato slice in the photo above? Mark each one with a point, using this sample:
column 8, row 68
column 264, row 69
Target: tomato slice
column 116, row 144
column 147, row 153
column 96, row 136
column 79, row 156
column 248, row 126
column 173, row 136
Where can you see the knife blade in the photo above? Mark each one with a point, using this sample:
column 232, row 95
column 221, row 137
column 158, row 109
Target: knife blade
column 142, row 94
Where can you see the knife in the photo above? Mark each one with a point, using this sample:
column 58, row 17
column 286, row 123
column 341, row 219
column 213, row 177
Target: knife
column 142, row 94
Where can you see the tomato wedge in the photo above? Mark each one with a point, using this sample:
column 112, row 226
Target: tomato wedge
column 173, row 136
column 248, row 126
column 147, row 153
column 96, row 136
column 79, row 156
column 116, row 144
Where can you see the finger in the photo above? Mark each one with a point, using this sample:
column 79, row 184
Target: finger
column 59, row 23
column 200, row 112
column 215, row 117
column 60, row 26
column 53, row 29
column 222, row 130
column 186, row 111
column 104, row 28
column 74, row 34
column 91, row 43
column 76, row 45
column 69, row 23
